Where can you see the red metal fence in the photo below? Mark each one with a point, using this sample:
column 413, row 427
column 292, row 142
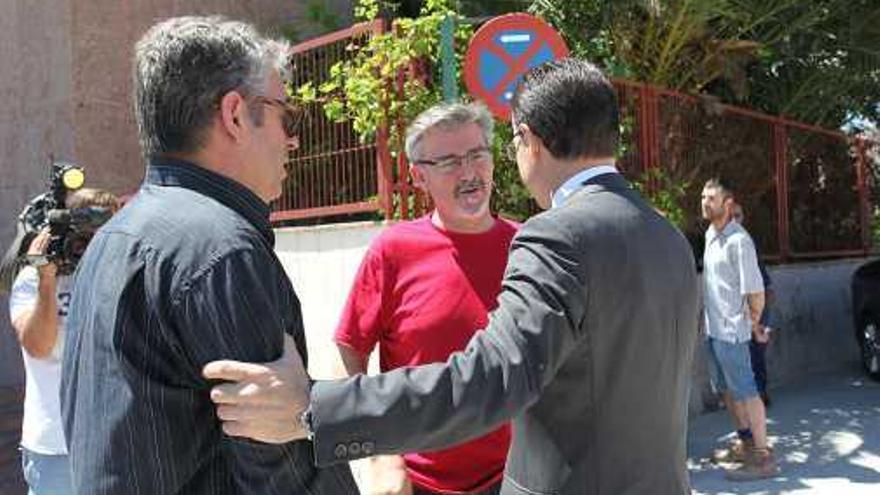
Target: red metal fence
column 806, row 191
column 333, row 172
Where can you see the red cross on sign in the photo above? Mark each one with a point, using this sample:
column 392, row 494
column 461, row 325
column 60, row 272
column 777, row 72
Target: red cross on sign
column 504, row 49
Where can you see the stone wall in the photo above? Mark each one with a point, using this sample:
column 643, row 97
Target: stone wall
column 65, row 86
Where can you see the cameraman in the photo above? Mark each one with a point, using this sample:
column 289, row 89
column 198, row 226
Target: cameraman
column 38, row 307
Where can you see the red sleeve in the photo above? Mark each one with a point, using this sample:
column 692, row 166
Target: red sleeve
column 363, row 319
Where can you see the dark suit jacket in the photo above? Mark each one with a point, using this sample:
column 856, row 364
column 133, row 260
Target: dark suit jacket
column 589, row 352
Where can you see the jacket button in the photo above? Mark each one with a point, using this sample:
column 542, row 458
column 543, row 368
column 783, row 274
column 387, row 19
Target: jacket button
column 340, row 451
column 367, row 448
column 354, row 449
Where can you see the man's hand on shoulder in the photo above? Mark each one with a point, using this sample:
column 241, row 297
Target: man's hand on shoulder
column 262, row 401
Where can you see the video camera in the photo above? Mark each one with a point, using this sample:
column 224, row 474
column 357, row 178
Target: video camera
column 70, row 229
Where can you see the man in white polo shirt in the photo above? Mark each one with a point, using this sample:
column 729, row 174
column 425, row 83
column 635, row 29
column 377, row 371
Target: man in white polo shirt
column 733, row 301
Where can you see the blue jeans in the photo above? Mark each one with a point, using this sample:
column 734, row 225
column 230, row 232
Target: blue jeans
column 46, row 474
column 758, row 352
column 730, row 369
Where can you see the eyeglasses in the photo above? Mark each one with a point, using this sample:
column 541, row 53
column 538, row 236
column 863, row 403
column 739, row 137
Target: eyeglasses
column 512, row 146
column 477, row 157
column 292, row 115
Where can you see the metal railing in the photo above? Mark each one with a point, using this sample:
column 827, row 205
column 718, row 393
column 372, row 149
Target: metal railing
column 333, row 172
column 806, row 190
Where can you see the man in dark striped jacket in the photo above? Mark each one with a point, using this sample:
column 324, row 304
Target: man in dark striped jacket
column 186, row 274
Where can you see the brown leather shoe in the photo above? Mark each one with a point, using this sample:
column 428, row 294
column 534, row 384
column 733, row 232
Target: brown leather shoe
column 760, row 464
column 736, row 452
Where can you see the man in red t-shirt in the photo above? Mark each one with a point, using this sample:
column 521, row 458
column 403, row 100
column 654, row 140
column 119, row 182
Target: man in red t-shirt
column 425, row 286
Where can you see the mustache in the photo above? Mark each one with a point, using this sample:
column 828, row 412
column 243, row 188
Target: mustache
column 472, row 184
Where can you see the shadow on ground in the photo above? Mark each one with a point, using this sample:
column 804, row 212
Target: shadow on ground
column 826, row 434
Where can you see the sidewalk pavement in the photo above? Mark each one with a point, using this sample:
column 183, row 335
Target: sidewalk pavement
column 825, row 431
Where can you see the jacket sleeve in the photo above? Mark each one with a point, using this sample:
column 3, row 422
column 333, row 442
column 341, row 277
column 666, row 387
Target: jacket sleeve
column 237, row 310
column 501, row 372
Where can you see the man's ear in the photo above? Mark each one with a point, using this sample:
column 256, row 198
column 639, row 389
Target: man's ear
column 233, row 112
column 728, row 204
column 418, row 176
column 534, row 145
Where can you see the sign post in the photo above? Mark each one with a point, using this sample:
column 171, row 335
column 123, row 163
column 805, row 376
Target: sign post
column 447, row 59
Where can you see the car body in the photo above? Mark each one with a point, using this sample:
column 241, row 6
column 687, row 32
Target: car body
column 866, row 315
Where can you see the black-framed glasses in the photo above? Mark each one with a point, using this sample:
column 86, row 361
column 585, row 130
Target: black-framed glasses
column 291, row 116
column 477, row 157
column 512, row 146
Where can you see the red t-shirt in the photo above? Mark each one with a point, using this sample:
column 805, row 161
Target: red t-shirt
column 421, row 293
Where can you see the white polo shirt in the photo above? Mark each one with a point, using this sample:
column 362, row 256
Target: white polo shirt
column 730, row 271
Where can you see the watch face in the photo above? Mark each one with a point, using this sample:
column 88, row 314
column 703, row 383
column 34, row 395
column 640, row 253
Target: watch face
column 37, row 260
column 305, row 420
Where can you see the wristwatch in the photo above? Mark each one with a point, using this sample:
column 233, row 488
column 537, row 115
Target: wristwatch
column 37, row 260
column 305, row 420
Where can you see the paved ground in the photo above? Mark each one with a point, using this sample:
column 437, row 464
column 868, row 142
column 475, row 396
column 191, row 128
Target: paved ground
column 826, row 433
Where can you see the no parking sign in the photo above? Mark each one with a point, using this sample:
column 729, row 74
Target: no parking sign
column 504, row 49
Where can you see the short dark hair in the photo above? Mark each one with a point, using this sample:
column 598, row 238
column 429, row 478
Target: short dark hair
column 571, row 106
column 721, row 185
column 184, row 65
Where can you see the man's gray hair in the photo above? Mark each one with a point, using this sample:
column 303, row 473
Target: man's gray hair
column 447, row 116
column 182, row 68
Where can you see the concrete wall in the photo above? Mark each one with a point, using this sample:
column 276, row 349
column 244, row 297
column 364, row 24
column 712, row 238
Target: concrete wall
column 813, row 327
column 36, row 123
column 814, row 318
column 813, row 306
column 321, row 263
column 65, row 86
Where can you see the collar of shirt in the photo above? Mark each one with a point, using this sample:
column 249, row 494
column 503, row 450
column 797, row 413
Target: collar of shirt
column 731, row 227
column 577, row 181
column 179, row 173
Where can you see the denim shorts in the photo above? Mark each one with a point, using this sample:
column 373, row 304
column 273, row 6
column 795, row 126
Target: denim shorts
column 730, row 369
column 46, row 474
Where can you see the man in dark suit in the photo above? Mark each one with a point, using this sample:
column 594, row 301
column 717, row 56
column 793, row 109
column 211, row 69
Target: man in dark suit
column 588, row 352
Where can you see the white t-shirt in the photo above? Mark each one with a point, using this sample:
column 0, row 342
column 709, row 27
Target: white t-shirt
column 41, row 430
